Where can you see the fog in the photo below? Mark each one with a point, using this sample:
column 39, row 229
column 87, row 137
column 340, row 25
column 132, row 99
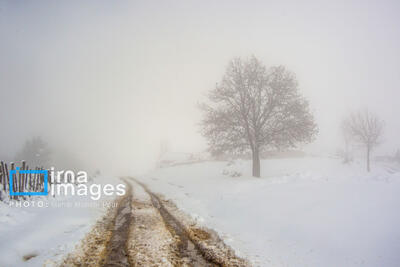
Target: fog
column 108, row 80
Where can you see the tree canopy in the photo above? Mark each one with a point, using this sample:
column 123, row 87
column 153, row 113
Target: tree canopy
column 253, row 108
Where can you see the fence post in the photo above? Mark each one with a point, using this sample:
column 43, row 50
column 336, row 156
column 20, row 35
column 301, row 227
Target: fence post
column 23, row 167
column 5, row 179
column 14, row 188
column 7, row 176
column 1, row 175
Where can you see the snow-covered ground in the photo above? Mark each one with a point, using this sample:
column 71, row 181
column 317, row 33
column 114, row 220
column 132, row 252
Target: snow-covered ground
column 302, row 212
column 48, row 233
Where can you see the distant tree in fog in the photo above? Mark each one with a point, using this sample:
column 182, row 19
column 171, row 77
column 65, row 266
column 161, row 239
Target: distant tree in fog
column 164, row 147
column 35, row 152
column 254, row 108
column 346, row 153
column 365, row 128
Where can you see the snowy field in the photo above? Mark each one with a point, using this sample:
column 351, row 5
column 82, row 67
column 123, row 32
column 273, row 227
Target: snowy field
column 47, row 233
column 302, row 212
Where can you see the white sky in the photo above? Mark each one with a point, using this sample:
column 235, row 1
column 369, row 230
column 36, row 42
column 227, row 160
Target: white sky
column 110, row 79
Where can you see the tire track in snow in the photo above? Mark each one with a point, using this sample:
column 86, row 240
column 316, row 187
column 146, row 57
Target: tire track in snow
column 203, row 248
column 116, row 251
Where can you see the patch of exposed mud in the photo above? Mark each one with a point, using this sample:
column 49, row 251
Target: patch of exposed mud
column 29, row 256
column 200, row 234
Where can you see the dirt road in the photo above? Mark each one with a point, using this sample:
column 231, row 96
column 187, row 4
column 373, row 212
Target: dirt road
column 146, row 230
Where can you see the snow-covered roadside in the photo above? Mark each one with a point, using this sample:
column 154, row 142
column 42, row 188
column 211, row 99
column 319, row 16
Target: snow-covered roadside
column 303, row 212
column 48, row 233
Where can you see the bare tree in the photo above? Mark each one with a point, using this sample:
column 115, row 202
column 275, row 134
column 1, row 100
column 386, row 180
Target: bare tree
column 365, row 128
column 254, row 108
column 346, row 153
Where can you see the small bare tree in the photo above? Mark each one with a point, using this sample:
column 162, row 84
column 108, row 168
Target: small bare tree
column 254, row 108
column 365, row 128
column 346, row 154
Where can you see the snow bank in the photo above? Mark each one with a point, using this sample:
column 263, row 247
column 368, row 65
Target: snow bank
column 302, row 212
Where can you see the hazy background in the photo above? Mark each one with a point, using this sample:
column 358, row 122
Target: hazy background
column 108, row 80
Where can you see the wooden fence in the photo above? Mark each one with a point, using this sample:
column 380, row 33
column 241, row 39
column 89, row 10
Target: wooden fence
column 30, row 182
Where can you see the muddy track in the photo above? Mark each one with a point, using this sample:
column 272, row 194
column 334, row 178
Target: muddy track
column 116, row 252
column 105, row 244
column 146, row 230
column 187, row 249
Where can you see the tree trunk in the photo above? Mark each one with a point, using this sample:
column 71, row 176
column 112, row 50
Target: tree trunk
column 256, row 162
column 368, row 160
